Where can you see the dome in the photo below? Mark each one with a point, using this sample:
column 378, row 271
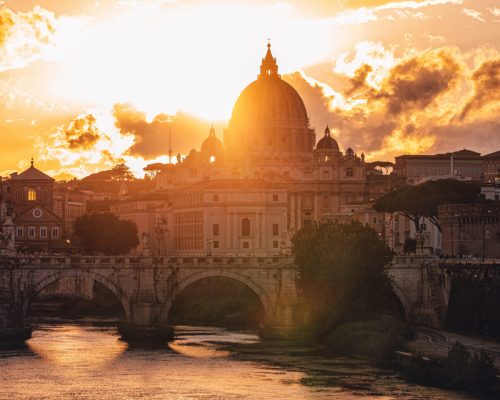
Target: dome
column 327, row 142
column 269, row 116
column 268, row 98
column 212, row 145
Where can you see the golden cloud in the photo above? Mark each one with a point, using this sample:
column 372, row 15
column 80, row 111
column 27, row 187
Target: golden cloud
column 24, row 35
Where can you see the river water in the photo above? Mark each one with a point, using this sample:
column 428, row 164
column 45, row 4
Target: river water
column 86, row 360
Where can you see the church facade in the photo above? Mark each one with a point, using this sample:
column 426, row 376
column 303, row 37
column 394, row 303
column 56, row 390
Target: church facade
column 249, row 193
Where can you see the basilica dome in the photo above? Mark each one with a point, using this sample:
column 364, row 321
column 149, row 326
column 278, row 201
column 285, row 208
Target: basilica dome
column 327, row 142
column 269, row 115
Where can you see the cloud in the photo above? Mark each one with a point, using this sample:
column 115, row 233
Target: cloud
column 151, row 139
column 416, row 107
column 416, row 83
column 474, row 14
column 487, row 89
column 24, row 36
column 82, row 133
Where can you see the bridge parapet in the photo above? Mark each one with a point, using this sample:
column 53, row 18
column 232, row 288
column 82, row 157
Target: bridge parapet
column 469, row 263
column 45, row 261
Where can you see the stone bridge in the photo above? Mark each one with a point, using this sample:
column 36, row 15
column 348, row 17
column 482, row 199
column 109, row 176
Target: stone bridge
column 423, row 284
column 146, row 287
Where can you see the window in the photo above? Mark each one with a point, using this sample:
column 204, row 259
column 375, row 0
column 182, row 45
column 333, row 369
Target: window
column 275, row 244
column 216, row 244
column 349, row 172
column 31, row 194
column 245, row 227
column 275, row 197
column 246, row 245
column 31, row 232
column 215, row 229
column 19, row 232
column 276, row 229
column 55, row 232
column 43, row 232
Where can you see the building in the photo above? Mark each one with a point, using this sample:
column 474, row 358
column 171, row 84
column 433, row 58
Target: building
column 462, row 164
column 491, row 166
column 28, row 201
column 470, row 230
column 268, row 178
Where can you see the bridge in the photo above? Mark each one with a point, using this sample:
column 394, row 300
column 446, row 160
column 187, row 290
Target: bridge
column 423, row 284
column 146, row 287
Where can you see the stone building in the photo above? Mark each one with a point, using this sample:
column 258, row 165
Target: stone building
column 29, row 200
column 267, row 179
column 417, row 168
column 470, row 230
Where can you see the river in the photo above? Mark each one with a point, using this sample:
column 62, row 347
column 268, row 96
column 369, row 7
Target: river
column 86, row 360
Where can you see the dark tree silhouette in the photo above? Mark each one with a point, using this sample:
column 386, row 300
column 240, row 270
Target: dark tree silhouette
column 105, row 233
column 415, row 202
column 342, row 271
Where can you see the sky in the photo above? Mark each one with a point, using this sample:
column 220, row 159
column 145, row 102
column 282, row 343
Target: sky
column 87, row 84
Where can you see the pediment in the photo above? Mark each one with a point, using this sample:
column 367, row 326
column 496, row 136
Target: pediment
column 47, row 216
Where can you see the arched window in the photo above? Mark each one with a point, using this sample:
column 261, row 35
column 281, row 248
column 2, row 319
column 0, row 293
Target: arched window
column 31, row 194
column 245, row 227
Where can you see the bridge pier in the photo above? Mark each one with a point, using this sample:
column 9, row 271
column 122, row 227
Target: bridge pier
column 13, row 327
column 144, row 324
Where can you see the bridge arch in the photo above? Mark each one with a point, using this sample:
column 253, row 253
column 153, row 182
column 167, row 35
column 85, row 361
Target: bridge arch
column 404, row 302
column 47, row 280
column 260, row 292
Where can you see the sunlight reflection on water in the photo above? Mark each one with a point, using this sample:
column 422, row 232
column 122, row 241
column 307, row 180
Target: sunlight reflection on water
column 68, row 360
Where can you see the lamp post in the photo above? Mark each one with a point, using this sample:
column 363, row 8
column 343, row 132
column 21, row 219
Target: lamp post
column 484, row 219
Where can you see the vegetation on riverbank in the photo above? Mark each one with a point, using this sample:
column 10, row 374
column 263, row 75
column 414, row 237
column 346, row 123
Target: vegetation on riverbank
column 459, row 370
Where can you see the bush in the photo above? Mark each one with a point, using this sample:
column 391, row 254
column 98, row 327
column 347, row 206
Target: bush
column 457, row 371
column 377, row 340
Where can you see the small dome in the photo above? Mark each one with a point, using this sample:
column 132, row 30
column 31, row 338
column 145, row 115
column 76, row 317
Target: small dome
column 327, row 142
column 349, row 151
column 212, row 145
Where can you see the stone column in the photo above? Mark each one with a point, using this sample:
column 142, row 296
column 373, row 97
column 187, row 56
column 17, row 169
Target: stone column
column 145, row 311
column 13, row 327
column 285, row 321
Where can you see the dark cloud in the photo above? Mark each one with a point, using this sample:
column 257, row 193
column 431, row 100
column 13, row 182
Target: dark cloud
column 82, row 133
column 414, row 109
column 152, row 138
column 416, row 83
column 359, row 79
column 487, row 88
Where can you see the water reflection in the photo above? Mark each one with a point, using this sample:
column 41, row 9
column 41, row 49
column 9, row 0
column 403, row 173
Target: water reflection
column 88, row 361
column 69, row 346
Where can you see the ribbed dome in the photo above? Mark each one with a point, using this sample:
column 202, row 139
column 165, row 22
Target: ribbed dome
column 269, row 97
column 269, row 117
column 327, row 142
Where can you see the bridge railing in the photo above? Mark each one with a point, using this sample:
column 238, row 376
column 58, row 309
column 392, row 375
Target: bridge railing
column 469, row 262
column 48, row 261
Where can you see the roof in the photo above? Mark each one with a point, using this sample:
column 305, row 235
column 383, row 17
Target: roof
column 461, row 154
column 32, row 174
column 496, row 154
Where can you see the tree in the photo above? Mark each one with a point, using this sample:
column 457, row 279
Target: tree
column 121, row 172
column 105, row 233
column 418, row 201
column 342, row 271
